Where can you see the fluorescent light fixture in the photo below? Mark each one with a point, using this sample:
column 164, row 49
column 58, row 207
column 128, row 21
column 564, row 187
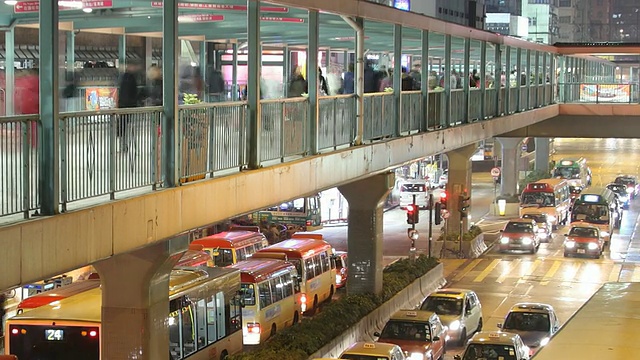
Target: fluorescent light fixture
column 71, row 4
column 87, row 10
column 11, row 2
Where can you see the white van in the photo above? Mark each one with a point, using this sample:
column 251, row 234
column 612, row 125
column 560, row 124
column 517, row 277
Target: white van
column 408, row 188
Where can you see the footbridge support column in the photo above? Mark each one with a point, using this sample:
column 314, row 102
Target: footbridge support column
column 135, row 302
column 542, row 154
column 459, row 183
column 364, row 240
column 510, row 154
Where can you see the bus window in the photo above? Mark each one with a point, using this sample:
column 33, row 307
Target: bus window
column 224, row 258
column 326, row 266
column 235, row 316
column 298, row 205
column 211, row 321
column 248, row 294
column 221, row 313
column 276, row 290
column 201, row 321
column 538, row 198
column 311, row 268
column 287, row 285
column 265, row 294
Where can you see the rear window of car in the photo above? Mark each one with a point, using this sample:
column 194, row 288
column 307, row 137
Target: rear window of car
column 625, row 180
column 616, row 188
column 518, row 227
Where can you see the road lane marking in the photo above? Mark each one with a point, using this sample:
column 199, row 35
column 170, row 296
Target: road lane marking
column 488, row 270
column 636, row 274
column 466, row 270
column 529, row 272
column 615, row 273
column 508, row 271
column 570, row 274
column 551, row 273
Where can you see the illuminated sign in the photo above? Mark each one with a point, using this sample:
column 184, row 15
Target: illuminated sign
column 402, row 4
column 566, row 162
column 591, row 198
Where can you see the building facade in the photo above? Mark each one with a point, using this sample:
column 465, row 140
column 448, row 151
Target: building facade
column 625, row 20
column 543, row 20
column 464, row 12
column 567, row 21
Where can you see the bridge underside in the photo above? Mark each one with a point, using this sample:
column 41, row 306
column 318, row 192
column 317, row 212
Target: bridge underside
column 587, row 121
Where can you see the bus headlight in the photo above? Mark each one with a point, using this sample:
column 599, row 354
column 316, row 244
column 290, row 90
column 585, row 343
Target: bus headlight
column 592, row 246
column 504, row 240
column 527, row 240
column 455, row 325
column 416, row 356
column 570, row 244
column 544, row 341
column 551, row 218
column 604, row 233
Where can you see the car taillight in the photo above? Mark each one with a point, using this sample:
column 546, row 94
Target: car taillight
column 303, row 299
column 253, row 328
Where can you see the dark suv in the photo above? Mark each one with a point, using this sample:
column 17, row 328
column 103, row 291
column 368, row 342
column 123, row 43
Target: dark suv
column 631, row 182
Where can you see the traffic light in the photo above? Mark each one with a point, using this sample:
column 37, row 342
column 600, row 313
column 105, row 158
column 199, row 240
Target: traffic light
column 464, row 203
column 443, row 200
column 438, row 215
column 413, row 214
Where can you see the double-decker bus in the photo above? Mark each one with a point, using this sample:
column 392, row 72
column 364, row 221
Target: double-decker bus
column 598, row 207
column 269, row 288
column 236, row 244
column 575, row 171
column 302, row 214
column 550, row 196
column 205, row 318
column 313, row 261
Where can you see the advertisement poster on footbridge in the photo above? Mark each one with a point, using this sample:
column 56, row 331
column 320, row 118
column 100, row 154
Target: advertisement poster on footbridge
column 101, row 98
column 618, row 93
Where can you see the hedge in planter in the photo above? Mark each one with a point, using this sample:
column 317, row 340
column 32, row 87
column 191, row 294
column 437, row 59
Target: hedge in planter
column 302, row 340
column 473, row 232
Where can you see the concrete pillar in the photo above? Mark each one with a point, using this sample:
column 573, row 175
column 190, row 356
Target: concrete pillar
column 135, row 302
column 364, row 237
column 542, row 154
column 509, row 154
column 458, row 184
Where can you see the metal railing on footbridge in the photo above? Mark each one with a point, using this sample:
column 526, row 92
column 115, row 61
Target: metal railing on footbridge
column 102, row 153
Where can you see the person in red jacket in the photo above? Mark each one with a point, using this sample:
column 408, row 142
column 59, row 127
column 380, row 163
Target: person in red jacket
column 27, row 99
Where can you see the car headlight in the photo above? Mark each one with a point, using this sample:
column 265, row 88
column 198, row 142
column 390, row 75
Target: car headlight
column 551, row 218
column 570, row 244
column 416, row 356
column 504, row 240
column 543, row 235
column 544, row 341
column 455, row 325
column 592, row 246
column 527, row 240
column 604, row 233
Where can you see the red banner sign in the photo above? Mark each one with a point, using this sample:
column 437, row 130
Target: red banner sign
column 197, row 18
column 281, row 19
column 34, row 5
column 222, row 7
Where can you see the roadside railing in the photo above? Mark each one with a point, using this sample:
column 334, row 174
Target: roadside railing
column 598, row 93
column 108, row 151
column 19, row 160
column 284, row 126
column 336, row 121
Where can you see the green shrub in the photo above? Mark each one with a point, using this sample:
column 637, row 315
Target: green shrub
column 473, row 232
column 302, row 340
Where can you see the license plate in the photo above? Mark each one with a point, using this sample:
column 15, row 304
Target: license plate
column 581, row 251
